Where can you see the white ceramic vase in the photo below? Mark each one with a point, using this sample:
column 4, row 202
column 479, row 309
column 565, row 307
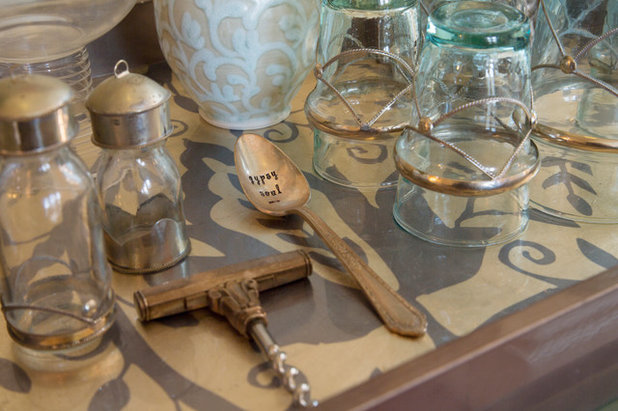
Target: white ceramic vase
column 242, row 61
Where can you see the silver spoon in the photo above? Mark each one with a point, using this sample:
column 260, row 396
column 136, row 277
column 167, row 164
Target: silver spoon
column 275, row 186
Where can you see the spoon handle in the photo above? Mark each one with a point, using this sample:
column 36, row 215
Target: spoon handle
column 396, row 313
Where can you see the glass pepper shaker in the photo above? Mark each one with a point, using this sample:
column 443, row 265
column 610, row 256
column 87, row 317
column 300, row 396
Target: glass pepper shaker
column 56, row 288
column 136, row 178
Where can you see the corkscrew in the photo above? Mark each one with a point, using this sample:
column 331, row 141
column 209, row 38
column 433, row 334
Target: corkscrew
column 233, row 292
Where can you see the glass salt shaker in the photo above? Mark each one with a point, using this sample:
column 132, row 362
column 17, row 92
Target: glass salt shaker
column 136, row 178
column 56, row 288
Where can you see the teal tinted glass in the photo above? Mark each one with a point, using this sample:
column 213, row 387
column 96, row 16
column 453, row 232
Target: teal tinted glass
column 478, row 24
column 369, row 4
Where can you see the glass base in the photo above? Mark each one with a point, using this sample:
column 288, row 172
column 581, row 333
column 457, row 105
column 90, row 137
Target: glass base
column 148, row 249
column 65, row 362
column 574, row 105
column 461, row 221
column 355, row 163
column 577, row 185
column 59, row 342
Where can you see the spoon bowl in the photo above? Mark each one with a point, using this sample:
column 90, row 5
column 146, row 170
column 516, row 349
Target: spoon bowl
column 275, row 186
column 267, row 172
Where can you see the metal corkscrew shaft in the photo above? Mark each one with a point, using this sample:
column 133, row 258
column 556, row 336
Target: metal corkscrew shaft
column 239, row 302
column 276, row 357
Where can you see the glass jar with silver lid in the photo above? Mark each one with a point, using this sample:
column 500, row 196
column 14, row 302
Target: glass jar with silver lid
column 56, row 285
column 136, row 178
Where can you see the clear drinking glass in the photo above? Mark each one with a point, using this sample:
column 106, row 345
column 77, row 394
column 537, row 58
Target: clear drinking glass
column 575, row 67
column 465, row 166
column 575, row 81
column 367, row 50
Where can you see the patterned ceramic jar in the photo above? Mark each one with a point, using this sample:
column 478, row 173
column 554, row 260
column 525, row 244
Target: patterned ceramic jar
column 241, row 61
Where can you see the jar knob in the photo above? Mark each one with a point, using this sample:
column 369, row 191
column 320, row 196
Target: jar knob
column 121, row 68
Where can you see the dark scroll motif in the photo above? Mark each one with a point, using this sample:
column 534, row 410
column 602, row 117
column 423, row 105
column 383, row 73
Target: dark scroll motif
column 180, row 127
column 115, row 394
column 596, row 254
column 571, row 182
column 286, row 136
column 359, row 154
column 526, row 250
column 13, row 377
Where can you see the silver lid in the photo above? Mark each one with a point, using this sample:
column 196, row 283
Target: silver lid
column 128, row 110
column 35, row 114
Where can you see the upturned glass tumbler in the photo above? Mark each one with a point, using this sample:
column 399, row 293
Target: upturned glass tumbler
column 575, row 66
column 367, row 50
column 464, row 167
column 575, row 82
